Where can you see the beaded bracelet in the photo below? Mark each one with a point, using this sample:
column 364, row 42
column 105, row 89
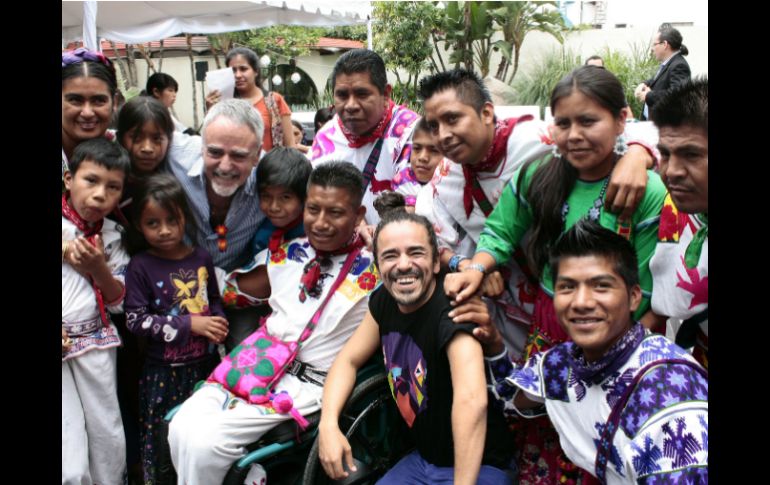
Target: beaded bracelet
column 454, row 262
column 477, row 267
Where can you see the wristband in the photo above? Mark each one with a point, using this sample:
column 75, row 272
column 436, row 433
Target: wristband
column 454, row 262
column 477, row 267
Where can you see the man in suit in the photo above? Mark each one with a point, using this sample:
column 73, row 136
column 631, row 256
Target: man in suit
column 667, row 48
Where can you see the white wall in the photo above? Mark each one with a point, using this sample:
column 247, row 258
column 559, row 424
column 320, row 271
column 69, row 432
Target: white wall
column 318, row 67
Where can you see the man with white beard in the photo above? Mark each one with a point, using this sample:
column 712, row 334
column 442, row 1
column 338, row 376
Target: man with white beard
column 221, row 188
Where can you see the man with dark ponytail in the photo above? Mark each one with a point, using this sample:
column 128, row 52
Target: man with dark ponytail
column 668, row 49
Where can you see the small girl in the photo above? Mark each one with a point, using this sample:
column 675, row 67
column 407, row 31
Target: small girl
column 145, row 129
column 172, row 298
column 164, row 88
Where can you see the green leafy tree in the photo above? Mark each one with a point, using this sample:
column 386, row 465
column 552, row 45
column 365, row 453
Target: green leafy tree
column 517, row 19
column 403, row 37
column 468, row 30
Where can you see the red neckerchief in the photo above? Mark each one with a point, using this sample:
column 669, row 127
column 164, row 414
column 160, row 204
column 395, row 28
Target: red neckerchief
column 491, row 161
column 311, row 273
column 357, row 141
column 276, row 238
column 90, row 232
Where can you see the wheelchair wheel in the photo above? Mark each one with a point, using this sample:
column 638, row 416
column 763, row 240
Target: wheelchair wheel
column 377, row 435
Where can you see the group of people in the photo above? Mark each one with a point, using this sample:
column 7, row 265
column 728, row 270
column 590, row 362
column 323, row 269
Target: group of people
column 518, row 256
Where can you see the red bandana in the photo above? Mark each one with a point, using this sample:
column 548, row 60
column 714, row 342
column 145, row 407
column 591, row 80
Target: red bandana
column 491, row 161
column 276, row 238
column 90, row 232
column 311, row 273
column 357, row 141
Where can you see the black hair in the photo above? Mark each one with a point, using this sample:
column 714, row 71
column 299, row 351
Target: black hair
column 555, row 178
column 686, row 104
column 362, row 60
column 588, row 238
column 284, row 167
column 421, row 125
column 394, row 216
column 251, row 59
column 139, row 110
column 160, row 81
column 341, row 175
column 669, row 34
column 102, row 152
column 468, row 86
column 166, row 191
column 301, row 128
column 594, row 58
column 389, row 201
column 322, row 116
column 91, row 69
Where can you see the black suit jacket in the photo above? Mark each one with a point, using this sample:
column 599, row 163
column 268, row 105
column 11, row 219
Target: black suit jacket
column 674, row 73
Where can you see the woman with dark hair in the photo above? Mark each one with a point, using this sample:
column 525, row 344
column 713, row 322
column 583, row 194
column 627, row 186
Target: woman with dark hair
column 276, row 114
column 548, row 196
column 164, row 88
column 88, row 90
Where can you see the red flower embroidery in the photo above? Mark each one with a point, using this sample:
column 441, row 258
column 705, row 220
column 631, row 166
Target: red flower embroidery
column 669, row 224
column 367, row 281
column 229, row 296
column 278, row 256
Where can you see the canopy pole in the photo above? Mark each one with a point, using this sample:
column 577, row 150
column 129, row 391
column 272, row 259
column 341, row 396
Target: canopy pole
column 369, row 32
column 89, row 26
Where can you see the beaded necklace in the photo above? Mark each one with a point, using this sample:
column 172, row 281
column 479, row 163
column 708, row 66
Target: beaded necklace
column 595, row 210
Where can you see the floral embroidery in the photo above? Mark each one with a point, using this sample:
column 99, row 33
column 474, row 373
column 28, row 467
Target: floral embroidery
column 278, row 257
column 367, row 281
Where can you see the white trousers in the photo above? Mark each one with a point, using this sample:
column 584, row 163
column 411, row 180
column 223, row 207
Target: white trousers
column 93, row 446
column 211, row 429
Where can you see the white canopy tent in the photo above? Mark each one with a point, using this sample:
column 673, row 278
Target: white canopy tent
column 136, row 22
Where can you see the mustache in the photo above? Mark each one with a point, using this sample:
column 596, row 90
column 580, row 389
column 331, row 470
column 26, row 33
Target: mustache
column 401, row 274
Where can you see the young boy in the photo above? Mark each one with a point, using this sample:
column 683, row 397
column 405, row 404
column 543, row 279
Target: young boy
column 282, row 184
column 93, row 265
column 423, row 159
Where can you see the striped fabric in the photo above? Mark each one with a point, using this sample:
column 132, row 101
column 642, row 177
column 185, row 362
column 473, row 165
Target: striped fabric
column 242, row 221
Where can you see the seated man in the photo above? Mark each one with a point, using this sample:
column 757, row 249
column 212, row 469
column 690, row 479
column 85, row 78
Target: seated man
column 213, row 427
column 435, row 368
column 629, row 406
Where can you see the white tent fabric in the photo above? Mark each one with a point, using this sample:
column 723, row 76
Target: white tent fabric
column 135, row 22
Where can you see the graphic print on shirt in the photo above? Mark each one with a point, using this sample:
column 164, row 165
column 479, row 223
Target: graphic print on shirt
column 407, row 373
column 191, row 293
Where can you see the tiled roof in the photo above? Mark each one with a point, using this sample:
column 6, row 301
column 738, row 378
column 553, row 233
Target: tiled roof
column 200, row 43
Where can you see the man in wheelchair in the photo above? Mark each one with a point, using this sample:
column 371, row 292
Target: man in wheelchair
column 213, row 427
column 435, row 368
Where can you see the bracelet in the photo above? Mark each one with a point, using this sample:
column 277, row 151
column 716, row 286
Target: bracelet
column 65, row 245
column 477, row 267
column 454, row 262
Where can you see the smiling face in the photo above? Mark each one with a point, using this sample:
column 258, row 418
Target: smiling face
column 280, row 205
column 358, row 102
column 147, row 145
column 461, row 133
column 163, row 230
column 593, row 303
column 407, row 264
column 585, row 133
column 230, row 152
column 86, row 109
column 330, row 217
column 94, row 190
column 425, row 156
column 684, row 166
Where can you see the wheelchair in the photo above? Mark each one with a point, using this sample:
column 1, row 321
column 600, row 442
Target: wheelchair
column 370, row 421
